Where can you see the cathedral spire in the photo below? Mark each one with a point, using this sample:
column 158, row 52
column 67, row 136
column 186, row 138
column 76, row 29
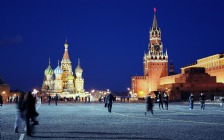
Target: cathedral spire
column 66, row 56
column 155, row 23
column 79, row 62
column 49, row 61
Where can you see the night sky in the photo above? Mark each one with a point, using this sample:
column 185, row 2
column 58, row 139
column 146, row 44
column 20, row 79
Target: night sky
column 109, row 36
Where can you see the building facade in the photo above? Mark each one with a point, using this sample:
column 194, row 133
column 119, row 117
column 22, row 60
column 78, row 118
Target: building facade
column 214, row 65
column 61, row 80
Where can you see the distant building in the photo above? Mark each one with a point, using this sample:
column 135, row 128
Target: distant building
column 207, row 75
column 4, row 90
column 61, row 80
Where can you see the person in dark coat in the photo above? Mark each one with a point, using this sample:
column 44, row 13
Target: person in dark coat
column 166, row 100
column 159, row 99
column 56, row 99
column 20, row 112
column 149, row 104
column 105, row 100
column 191, row 101
column 30, row 111
column 1, row 100
column 110, row 99
column 49, row 99
column 202, row 101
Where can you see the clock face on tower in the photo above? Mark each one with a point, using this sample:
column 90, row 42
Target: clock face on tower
column 156, row 48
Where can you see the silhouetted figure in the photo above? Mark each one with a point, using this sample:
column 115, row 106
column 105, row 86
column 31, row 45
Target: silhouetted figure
column 166, row 100
column 20, row 115
column 159, row 99
column 88, row 99
column 49, row 99
column 105, row 100
column 149, row 104
column 202, row 101
column 191, row 101
column 56, row 99
column 85, row 99
column 1, row 100
column 110, row 99
column 222, row 101
column 30, row 111
column 16, row 99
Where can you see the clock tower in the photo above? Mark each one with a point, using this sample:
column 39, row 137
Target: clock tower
column 155, row 62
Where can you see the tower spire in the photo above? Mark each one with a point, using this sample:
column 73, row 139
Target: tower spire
column 78, row 61
column 155, row 23
column 66, row 56
column 49, row 61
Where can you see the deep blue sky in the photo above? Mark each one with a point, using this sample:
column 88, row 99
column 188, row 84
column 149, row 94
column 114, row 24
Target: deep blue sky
column 109, row 37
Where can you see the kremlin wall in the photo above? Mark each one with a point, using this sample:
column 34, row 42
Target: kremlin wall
column 206, row 75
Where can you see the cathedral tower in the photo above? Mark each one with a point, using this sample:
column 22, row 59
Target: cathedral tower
column 58, row 79
column 49, row 82
column 79, row 81
column 66, row 66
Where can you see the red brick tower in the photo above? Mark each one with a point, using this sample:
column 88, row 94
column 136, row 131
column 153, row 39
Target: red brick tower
column 155, row 63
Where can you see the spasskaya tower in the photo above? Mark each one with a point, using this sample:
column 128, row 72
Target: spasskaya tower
column 155, row 63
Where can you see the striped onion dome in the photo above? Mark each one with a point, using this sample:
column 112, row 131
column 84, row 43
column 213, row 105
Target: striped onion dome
column 58, row 70
column 49, row 70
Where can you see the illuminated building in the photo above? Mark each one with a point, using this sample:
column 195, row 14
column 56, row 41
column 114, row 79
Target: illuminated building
column 206, row 75
column 61, row 80
column 4, row 90
column 155, row 63
column 214, row 65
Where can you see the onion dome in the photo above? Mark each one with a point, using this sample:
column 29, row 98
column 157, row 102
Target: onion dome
column 58, row 70
column 78, row 68
column 70, row 77
column 49, row 70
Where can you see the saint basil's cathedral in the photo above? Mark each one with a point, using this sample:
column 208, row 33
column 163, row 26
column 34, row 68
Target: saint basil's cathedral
column 61, row 80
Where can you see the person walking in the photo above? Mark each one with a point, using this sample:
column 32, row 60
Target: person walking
column 202, row 101
column 191, row 101
column 159, row 99
column 56, row 99
column 20, row 112
column 149, row 104
column 110, row 99
column 105, row 100
column 166, row 100
column 30, row 112
column 49, row 99
column 1, row 100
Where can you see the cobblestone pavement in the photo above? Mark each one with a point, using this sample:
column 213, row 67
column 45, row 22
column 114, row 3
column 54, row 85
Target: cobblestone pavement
column 127, row 121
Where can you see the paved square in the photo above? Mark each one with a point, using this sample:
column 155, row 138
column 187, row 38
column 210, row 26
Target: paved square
column 127, row 121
